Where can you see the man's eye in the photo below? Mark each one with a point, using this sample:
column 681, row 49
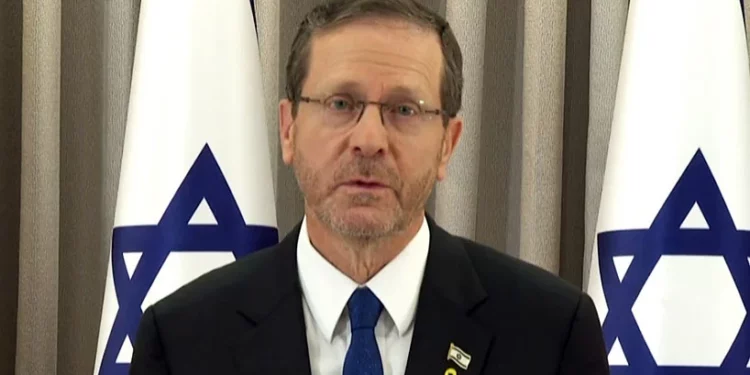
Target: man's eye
column 406, row 110
column 339, row 104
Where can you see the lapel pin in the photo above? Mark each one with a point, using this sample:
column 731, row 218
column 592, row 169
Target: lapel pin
column 460, row 357
column 450, row 371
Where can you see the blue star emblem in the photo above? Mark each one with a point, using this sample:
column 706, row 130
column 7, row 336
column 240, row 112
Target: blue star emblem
column 204, row 180
column 665, row 237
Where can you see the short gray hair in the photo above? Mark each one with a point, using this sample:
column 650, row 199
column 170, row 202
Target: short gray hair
column 337, row 12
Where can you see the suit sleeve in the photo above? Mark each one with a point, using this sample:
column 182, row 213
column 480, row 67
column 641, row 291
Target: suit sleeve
column 148, row 351
column 585, row 352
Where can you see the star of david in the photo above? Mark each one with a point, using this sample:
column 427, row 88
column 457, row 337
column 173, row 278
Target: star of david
column 204, row 180
column 665, row 237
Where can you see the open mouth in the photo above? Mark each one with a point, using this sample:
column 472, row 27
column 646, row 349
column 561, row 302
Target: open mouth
column 364, row 184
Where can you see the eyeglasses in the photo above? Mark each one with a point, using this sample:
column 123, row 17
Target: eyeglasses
column 342, row 110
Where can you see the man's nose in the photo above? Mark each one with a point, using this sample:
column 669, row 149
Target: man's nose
column 369, row 136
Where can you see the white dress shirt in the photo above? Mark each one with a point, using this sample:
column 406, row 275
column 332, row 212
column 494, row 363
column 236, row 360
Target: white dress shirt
column 326, row 290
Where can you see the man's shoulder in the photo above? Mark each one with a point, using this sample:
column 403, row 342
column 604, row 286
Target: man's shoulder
column 195, row 325
column 524, row 300
column 215, row 288
column 527, row 309
column 503, row 274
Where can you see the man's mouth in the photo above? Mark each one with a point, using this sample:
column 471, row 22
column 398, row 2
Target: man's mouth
column 365, row 184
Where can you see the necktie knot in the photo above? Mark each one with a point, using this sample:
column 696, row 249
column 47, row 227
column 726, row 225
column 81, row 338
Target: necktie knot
column 364, row 309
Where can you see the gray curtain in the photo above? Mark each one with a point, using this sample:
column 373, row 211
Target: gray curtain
column 526, row 178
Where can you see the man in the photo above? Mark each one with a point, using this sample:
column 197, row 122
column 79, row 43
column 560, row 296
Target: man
column 367, row 283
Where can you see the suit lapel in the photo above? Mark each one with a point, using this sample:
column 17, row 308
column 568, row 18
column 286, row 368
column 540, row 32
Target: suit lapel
column 450, row 290
column 277, row 345
column 273, row 338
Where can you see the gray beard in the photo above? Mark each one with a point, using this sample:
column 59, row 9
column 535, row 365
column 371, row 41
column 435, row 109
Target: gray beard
column 411, row 199
column 364, row 234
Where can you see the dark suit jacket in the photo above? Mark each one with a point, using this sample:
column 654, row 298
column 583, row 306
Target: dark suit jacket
column 247, row 318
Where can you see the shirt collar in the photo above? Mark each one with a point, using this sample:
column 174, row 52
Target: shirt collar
column 326, row 289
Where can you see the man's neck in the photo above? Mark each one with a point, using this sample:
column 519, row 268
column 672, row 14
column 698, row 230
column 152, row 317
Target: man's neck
column 360, row 259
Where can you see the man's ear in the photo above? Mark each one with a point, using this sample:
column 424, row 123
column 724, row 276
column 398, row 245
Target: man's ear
column 450, row 140
column 286, row 131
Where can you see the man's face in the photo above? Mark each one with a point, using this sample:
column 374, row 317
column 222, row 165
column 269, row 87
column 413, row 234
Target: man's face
column 366, row 178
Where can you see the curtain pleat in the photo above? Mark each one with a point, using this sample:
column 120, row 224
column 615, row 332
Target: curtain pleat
column 575, row 132
column 11, row 26
column 82, row 260
column 499, row 164
column 38, row 267
column 543, row 101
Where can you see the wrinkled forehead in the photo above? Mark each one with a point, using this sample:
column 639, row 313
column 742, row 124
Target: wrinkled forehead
column 376, row 57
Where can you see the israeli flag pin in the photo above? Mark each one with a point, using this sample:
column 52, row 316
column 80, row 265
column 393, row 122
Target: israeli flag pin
column 460, row 357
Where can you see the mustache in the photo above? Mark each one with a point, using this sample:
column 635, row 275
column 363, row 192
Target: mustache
column 367, row 168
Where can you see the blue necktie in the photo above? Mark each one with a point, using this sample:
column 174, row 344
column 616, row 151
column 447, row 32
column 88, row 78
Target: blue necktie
column 363, row 356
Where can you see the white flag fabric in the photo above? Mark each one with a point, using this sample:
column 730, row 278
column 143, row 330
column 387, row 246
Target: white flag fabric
column 670, row 272
column 195, row 186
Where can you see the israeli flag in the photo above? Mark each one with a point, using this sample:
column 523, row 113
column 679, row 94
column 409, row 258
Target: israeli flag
column 670, row 270
column 195, row 187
